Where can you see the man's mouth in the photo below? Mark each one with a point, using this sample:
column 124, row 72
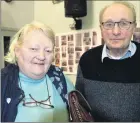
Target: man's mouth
column 117, row 39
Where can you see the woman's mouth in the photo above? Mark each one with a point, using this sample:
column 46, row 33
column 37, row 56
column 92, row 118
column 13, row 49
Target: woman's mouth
column 39, row 63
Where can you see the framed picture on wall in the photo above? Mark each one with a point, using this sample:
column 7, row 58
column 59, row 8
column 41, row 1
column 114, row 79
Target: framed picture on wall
column 136, row 35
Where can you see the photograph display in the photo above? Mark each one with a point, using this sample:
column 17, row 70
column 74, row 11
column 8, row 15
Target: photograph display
column 136, row 35
column 69, row 47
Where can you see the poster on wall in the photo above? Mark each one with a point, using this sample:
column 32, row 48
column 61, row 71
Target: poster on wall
column 136, row 35
column 69, row 47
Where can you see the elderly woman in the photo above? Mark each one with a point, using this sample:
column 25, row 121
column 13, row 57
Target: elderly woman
column 33, row 90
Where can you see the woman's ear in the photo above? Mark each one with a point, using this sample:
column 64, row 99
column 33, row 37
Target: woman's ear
column 17, row 51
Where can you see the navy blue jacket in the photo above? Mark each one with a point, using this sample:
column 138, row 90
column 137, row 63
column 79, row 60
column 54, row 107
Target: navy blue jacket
column 10, row 90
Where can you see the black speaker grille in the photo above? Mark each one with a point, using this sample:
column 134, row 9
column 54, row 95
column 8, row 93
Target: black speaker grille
column 75, row 8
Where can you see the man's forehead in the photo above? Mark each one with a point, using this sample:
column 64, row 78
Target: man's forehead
column 116, row 5
column 117, row 8
column 117, row 11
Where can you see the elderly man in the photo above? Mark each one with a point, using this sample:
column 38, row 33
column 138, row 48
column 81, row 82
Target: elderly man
column 108, row 75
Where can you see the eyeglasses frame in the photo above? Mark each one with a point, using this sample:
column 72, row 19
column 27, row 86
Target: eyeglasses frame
column 118, row 24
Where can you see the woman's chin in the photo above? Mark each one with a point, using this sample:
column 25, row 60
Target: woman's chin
column 38, row 75
column 38, row 68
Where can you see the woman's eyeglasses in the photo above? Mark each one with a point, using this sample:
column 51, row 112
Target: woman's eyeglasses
column 31, row 102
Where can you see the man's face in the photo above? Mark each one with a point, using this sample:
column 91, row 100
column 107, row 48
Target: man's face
column 117, row 38
column 35, row 55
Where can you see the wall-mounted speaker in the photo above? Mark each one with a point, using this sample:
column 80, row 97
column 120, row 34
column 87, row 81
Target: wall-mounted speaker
column 75, row 8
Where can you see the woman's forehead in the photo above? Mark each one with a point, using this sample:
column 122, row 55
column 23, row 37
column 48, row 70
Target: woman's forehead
column 36, row 37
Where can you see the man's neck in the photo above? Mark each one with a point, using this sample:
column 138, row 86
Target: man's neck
column 118, row 53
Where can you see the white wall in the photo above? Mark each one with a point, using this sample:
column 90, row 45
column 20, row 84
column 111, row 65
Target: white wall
column 54, row 16
column 16, row 13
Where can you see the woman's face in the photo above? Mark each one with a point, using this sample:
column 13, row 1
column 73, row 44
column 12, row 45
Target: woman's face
column 35, row 55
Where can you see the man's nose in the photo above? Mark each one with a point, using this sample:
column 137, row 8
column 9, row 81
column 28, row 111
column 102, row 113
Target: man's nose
column 116, row 30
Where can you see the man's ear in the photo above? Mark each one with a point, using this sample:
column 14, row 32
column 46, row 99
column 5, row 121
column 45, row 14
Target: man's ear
column 135, row 27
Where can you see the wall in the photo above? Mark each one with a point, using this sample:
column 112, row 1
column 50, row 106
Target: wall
column 16, row 13
column 54, row 15
column 13, row 16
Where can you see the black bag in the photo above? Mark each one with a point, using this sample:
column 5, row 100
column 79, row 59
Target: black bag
column 79, row 108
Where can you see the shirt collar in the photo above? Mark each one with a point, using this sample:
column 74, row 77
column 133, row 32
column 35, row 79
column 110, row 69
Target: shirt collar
column 131, row 49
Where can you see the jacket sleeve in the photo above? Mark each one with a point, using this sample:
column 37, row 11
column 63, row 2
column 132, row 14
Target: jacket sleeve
column 3, row 93
column 79, row 81
column 70, row 85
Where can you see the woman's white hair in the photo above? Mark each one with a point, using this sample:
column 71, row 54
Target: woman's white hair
column 18, row 38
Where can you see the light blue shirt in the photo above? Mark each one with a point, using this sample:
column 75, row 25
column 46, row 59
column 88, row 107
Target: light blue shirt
column 38, row 90
column 130, row 52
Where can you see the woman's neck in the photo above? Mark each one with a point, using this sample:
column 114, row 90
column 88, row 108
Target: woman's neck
column 28, row 78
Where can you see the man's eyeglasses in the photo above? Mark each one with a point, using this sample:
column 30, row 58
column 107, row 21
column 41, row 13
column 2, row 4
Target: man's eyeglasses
column 122, row 24
column 31, row 102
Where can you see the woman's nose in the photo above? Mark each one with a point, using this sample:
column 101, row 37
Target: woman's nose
column 42, row 55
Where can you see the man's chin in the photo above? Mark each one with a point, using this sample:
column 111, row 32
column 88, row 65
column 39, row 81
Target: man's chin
column 116, row 46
